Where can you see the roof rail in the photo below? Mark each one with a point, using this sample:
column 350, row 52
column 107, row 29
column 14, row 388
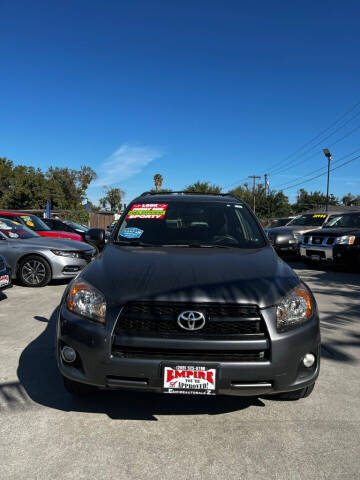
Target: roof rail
column 183, row 192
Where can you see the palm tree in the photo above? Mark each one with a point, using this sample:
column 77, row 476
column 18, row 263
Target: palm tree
column 158, row 180
column 203, row 187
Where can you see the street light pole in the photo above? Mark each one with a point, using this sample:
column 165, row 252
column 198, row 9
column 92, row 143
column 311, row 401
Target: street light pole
column 267, row 192
column 328, row 156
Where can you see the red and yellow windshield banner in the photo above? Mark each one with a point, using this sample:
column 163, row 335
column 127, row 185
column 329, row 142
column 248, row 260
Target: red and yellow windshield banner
column 147, row 210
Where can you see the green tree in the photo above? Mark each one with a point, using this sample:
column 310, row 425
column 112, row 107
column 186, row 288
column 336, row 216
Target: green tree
column 273, row 204
column 348, row 199
column 351, row 200
column 27, row 189
column 112, row 199
column 67, row 187
column 317, row 199
column 23, row 187
column 158, row 181
column 6, row 178
column 203, row 187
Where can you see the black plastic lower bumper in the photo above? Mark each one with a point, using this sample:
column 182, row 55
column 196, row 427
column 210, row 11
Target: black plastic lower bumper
column 282, row 371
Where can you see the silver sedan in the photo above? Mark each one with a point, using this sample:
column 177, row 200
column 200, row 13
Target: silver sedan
column 36, row 260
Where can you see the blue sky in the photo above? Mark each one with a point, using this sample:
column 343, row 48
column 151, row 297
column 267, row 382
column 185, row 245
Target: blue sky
column 194, row 90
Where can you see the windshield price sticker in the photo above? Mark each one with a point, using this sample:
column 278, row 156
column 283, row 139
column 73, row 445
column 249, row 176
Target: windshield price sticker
column 147, row 210
column 317, row 215
column 193, row 380
column 132, row 232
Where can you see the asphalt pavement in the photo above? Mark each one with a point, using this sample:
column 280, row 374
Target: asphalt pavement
column 45, row 433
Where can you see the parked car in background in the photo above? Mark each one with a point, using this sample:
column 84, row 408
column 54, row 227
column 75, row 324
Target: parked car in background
column 37, row 225
column 59, row 225
column 109, row 230
column 35, row 260
column 278, row 222
column 338, row 242
column 288, row 238
column 188, row 297
column 5, row 274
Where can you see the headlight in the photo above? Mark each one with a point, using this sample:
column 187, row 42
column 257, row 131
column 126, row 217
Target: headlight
column 345, row 240
column 294, row 309
column 86, row 300
column 66, row 253
column 298, row 237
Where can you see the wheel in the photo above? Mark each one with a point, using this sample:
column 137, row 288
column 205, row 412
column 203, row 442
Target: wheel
column 34, row 271
column 77, row 388
column 296, row 394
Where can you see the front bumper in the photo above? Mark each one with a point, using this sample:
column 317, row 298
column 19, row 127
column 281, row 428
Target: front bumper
column 334, row 254
column 95, row 365
column 66, row 267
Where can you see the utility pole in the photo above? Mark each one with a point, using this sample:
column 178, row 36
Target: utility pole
column 254, row 177
column 329, row 157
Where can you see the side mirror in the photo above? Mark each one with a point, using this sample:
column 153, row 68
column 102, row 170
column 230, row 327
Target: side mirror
column 95, row 236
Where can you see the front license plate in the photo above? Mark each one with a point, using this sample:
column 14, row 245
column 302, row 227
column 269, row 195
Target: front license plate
column 4, row 280
column 315, row 257
column 190, row 379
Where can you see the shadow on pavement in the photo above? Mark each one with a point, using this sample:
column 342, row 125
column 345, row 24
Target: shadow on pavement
column 342, row 313
column 40, row 379
column 2, row 296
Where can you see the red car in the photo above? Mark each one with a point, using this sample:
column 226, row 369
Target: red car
column 36, row 224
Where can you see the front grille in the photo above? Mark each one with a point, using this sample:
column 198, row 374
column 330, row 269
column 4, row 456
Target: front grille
column 160, row 320
column 318, row 240
column 173, row 355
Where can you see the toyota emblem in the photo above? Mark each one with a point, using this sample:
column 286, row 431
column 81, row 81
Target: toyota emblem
column 191, row 320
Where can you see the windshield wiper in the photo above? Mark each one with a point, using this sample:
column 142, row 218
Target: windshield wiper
column 139, row 243
column 195, row 245
column 133, row 243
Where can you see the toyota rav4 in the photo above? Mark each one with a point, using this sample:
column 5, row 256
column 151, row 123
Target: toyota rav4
column 188, row 297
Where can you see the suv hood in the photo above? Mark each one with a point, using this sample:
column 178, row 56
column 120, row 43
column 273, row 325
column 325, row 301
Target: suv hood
column 289, row 229
column 177, row 274
column 334, row 232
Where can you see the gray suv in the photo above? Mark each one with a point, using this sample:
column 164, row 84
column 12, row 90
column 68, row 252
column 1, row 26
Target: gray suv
column 188, row 297
column 288, row 238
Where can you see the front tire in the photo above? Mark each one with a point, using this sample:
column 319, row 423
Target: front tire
column 296, row 394
column 34, row 271
column 78, row 389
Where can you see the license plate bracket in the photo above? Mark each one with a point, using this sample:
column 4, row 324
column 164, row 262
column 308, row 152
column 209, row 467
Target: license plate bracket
column 190, row 379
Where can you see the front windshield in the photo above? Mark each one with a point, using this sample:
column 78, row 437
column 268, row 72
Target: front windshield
column 278, row 222
column 76, row 226
column 191, row 223
column 35, row 223
column 311, row 219
column 344, row 221
column 14, row 230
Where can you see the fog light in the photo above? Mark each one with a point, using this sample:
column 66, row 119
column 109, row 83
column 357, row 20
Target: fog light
column 68, row 354
column 309, row 360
